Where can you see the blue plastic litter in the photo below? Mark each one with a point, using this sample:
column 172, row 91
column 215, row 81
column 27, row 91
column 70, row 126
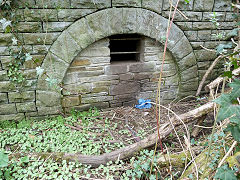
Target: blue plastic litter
column 142, row 103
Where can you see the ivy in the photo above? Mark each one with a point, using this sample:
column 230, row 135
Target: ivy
column 225, row 173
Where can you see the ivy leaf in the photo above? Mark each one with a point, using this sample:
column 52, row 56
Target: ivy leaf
column 3, row 159
column 235, row 119
column 14, row 41
column 39, row 70
column 236, row 89
column 5, row 23
column 28, row 57
column 224, row 173
column 228, row 111
column 220, row 48
column 235, row 131
column 233, row 32
column 187, row 1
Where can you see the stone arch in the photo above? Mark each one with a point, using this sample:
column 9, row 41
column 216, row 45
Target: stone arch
column 105, row 23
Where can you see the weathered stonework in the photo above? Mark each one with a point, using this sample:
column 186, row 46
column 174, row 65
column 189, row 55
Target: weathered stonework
column 70, row 39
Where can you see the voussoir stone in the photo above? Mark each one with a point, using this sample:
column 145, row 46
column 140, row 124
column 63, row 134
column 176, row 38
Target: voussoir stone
column 81, row 33
column 99, row 24
column 187, row 62
column 129, row 20
column 182, row 48
column 65, row 47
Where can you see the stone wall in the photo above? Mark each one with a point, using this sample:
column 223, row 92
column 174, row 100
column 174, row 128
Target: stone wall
column 43, row 27
column 91, row 80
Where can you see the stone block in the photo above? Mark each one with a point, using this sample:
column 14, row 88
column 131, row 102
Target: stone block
column 96, row 99
column 171, row 81
column 4, row 50
column 128, row 3
column 31, row 64
column 48, row 98
column 65, row 47
column 83, row 74
column 55, row 69
column 196, row 45
column 150, row 86
column 115, row 21
column 222, row 5
column 40, row 49
column 203, row 25
column 182, row 48
column 204, row 55
column 78, row 61
column 191, row 35
column 204, row 5
column 83, row 107
column 141, row 75
column 55, row 26
column 184, row 25
column 153, row 5
column 129, row 20
column 203, row 65
column 147, row 95
column 6, row 86
column 29, row 27
column 207, row 16
column 187, row 62
column 181, row 5
column 81, row 33
column 3, row 76
column 74, row 70
column 53, row 4
column 189, row 73
column 40, row 14
column 30, row 73
column 204, row 35
column 77, row 88
column 26, row 107
column 191, row 15
column 24, row 3
column 21, row 96
column 229, row 17
column 70, row 101
column 53, row 110
column 99, row 24
column 126, row 77
column 96, row 52
column 116, row 69
column 12, row 117
column 73, row 14
column 190, row 86
column 91, row 4
column 3, row 98
column 142, row 67
column 5, row 39
column 8, row 109
column 213, row 44
column 124, row 88
column 40, row 38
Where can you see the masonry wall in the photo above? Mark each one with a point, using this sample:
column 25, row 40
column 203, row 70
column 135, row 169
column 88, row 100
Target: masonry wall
column 92, row 80
column 41, row 24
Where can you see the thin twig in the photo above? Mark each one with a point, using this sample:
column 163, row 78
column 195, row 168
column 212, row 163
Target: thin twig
column 228, row 153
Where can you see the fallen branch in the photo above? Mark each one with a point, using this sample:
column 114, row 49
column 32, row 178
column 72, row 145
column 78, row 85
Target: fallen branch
column 131, row 150
column 207, row 73
column 217, row 81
